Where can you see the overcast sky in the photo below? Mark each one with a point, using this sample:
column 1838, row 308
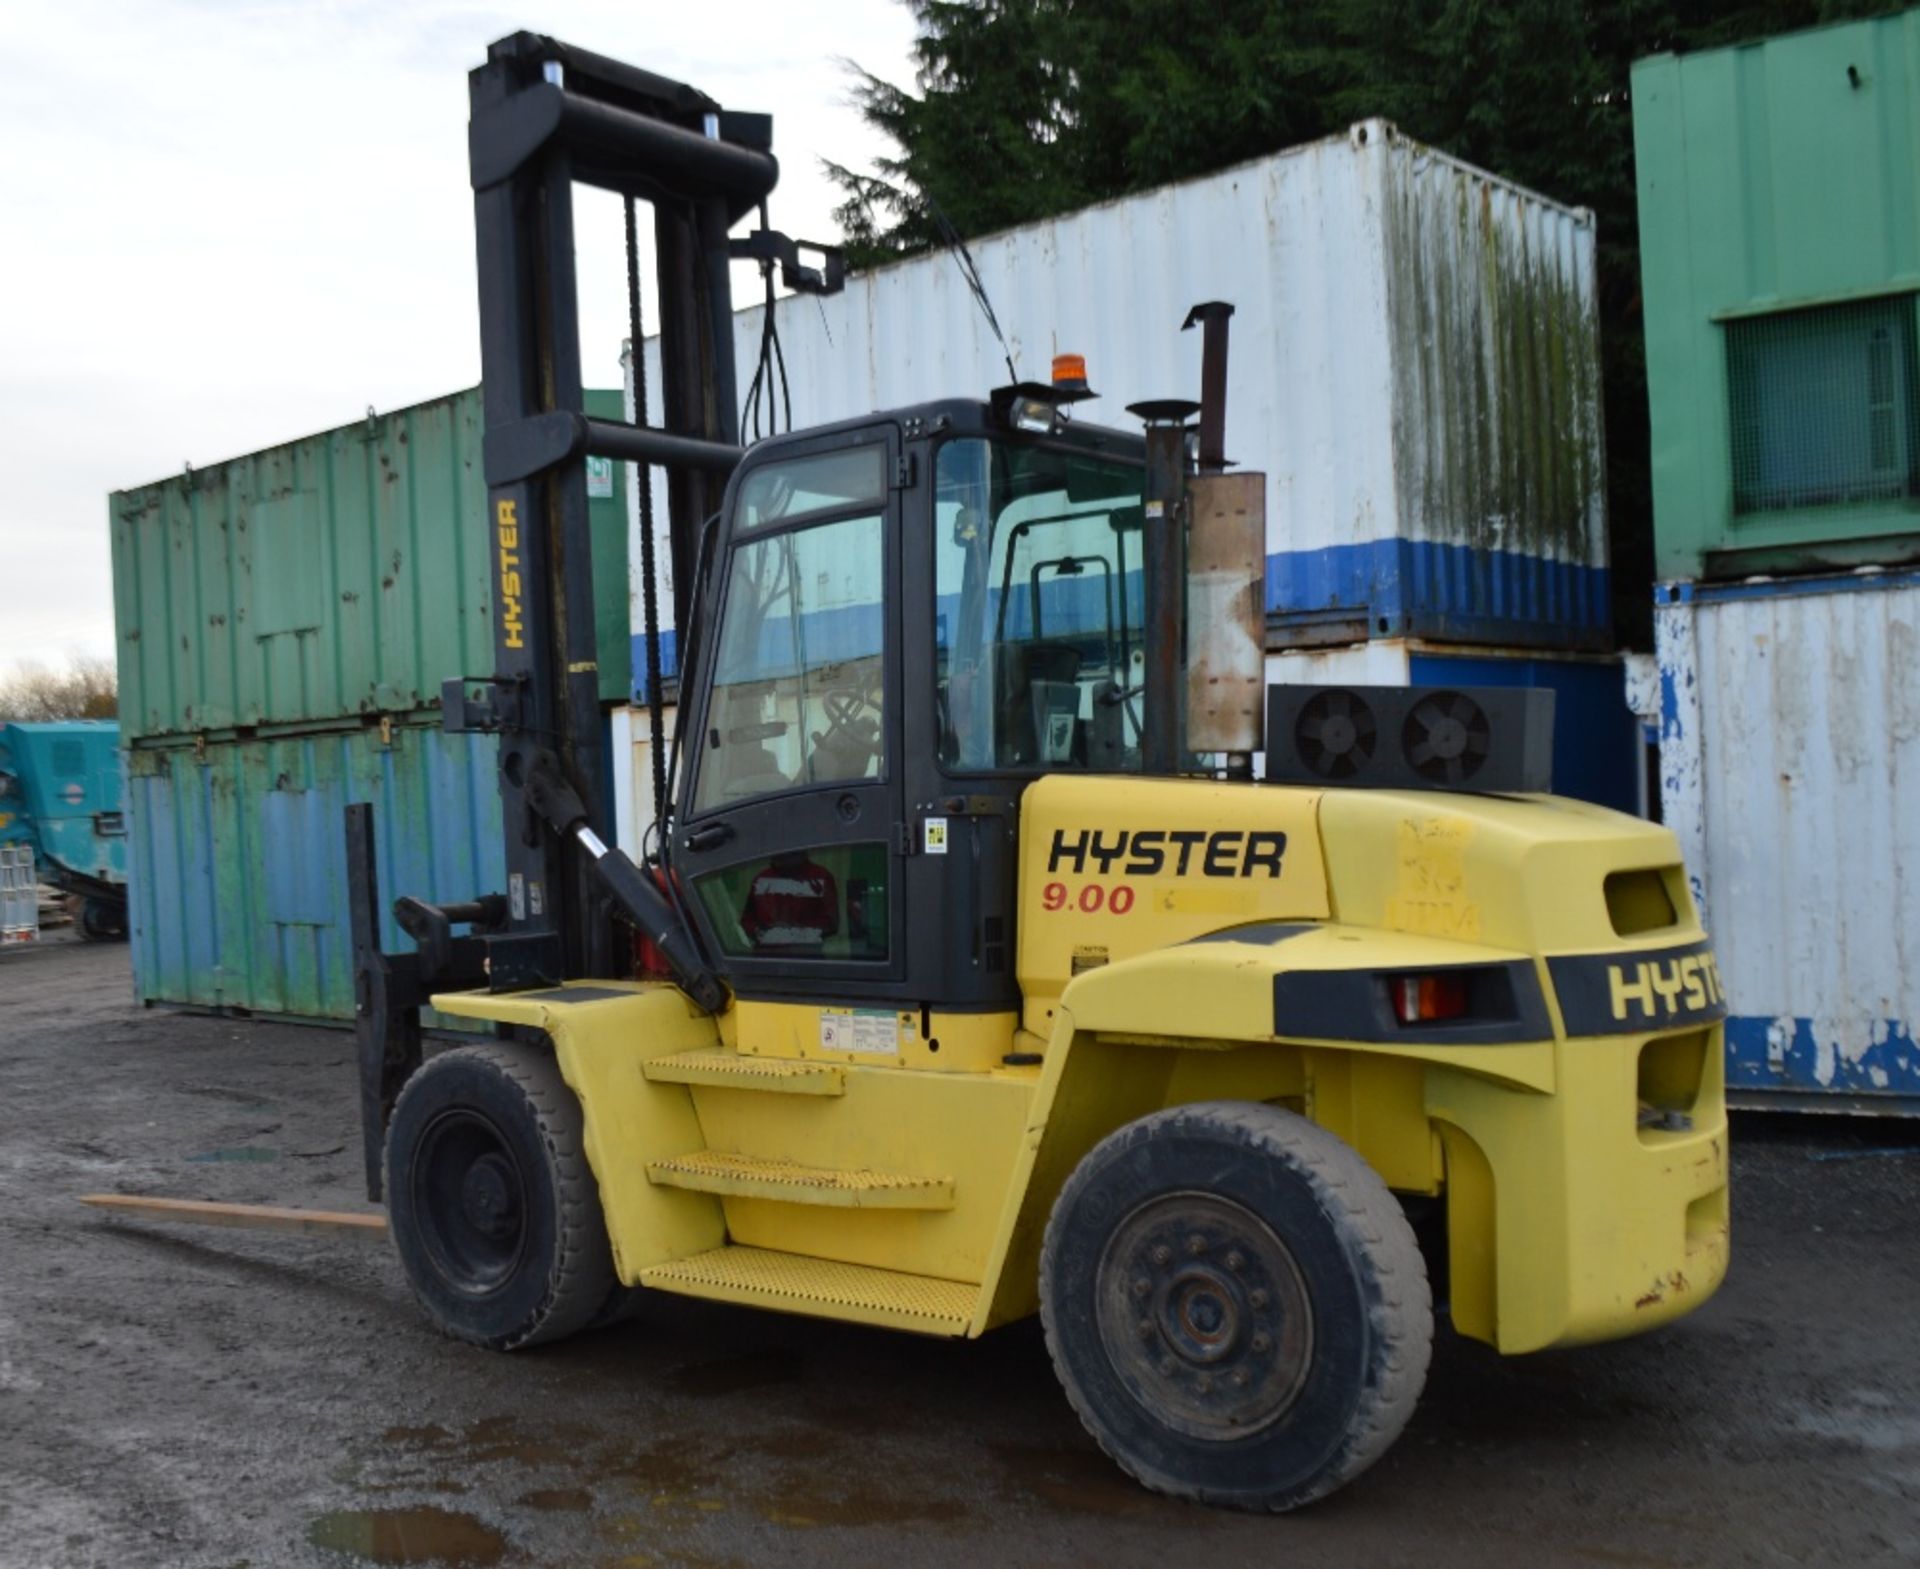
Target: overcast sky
column 230, row 223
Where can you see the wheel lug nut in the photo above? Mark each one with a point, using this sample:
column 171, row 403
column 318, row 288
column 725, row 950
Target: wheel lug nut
column 1262, row 1341
column 1257, row 1298
column 1142, row 1286
column 1240, row 1379
column 1196, row 1245
column 1146, row 1329
column 1204, row 1384
column 1163, row 1255
column 1236, row 1260
column 1167, row 1365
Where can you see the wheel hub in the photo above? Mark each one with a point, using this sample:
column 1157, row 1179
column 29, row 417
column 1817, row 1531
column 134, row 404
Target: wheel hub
column 1205, row 1315
column 489, row 1197
column 470, row 1201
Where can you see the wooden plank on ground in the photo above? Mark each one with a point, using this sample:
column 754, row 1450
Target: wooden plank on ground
column 264, row 1217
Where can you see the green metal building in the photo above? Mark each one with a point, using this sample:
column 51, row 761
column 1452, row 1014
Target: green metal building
column 1779, row 189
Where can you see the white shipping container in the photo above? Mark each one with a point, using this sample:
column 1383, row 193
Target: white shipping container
column 1790, row 770
column 635, row 809
column 1414, row 363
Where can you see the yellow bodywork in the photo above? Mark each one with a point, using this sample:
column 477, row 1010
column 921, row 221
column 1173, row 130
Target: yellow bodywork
column 892, row 1167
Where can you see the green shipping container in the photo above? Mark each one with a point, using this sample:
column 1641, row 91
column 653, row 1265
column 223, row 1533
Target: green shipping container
column 239, row 862
column 344, row 575
column 1779, row 187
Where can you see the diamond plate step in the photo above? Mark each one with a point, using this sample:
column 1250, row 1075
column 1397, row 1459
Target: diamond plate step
column 820, row 1288
column 749, row 1177
column 732, row 1070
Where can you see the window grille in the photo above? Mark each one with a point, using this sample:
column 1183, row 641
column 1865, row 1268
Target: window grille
column 1825, row 406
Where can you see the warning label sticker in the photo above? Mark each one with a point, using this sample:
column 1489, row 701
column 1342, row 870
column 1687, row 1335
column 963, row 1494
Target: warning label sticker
column 859, row 1029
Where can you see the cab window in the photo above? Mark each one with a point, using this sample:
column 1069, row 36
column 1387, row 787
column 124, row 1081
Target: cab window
column 1039, row 604
column 797, row 692
column 825, row 903
column 837, row 481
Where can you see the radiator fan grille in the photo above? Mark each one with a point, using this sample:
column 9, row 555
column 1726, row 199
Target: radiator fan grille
column 1446, row 738
column 1336, row 734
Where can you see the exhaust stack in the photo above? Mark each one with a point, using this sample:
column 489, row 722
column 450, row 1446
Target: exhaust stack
column 1226, row 574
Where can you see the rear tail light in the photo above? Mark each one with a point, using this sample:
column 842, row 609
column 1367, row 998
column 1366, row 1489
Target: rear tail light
column 1427, row 999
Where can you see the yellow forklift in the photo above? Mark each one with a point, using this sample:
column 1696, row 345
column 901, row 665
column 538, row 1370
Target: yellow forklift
column 978, row 975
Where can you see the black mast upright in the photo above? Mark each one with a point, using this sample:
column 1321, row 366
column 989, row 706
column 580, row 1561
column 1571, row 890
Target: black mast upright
column 546, row 116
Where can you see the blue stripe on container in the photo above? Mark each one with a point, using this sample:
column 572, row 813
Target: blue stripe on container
column 1863, row 582
column 1890, row 1067
column 1420, row 588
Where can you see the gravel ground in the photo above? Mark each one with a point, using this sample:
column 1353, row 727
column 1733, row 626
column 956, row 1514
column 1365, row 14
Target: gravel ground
column 175, row 1396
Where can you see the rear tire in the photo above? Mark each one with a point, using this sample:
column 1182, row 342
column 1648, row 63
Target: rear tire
column 1236, row 1305
column 494, row 1211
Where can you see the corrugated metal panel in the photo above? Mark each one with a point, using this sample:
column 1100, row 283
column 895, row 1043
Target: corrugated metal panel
column 1790, row 765
column 340, row 575
column 1771, row 176
column 1414, row 365
column 238, row 889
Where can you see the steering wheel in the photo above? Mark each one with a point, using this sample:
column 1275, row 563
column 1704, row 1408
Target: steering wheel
column 851, row 741
column 845, row 707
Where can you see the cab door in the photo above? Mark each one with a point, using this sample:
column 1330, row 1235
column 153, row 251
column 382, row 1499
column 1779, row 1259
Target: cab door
column 787, row 841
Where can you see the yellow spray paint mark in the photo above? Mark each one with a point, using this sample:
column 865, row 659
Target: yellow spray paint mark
column 1430, row 898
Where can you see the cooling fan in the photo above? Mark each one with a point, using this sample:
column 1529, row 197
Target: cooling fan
column 1335, row 734
column 1495, row 740
column 1446, row 738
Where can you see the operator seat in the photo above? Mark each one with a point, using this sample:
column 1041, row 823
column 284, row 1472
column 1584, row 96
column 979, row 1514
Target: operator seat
column 1022, row 670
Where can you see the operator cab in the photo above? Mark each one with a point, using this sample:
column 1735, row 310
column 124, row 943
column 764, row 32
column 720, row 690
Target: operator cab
column 905, row 618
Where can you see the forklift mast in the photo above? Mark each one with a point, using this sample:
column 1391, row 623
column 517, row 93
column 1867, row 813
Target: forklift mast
column 545, row 116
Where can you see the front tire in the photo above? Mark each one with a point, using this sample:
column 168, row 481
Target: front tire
column 494, row 1211
column 1236, row 1305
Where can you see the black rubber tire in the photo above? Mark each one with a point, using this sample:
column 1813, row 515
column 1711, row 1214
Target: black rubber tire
column 1355, row 1267
column 101, row 921
column 544, row 1268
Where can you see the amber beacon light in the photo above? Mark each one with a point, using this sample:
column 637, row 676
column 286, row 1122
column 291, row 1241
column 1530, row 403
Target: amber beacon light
column 1070, row 372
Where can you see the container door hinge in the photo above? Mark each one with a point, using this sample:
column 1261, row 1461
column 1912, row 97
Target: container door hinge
column 903, row 838
column 903, row 471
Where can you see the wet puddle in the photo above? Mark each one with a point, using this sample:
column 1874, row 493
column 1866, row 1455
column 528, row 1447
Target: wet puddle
column 1081, row 1480
column 735, row 1375
column 409, row 1536
column 558, row 1500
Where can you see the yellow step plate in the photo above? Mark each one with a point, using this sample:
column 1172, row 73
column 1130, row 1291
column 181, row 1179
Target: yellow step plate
column 731, row 1070
column 819, row 1288
column 749, row 1177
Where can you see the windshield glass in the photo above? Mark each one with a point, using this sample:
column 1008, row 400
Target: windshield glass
column 1038, row 609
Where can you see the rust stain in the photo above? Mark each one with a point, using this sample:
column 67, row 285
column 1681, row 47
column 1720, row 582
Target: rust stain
column 1676, row 1283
